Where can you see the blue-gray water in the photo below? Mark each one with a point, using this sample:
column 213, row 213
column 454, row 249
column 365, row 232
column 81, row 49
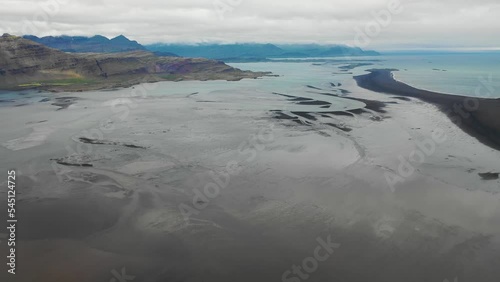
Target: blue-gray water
column 462, row 74
column 450, row 73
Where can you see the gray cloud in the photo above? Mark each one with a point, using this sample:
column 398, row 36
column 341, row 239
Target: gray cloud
column 447, row 23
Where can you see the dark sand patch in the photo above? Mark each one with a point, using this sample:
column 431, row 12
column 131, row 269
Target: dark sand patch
column 312, row 87
column 373, row 105
column 315, row 103
column 344, row 113
column 64, row 102
column 78, row 160
column 489, row 175
column 299, row 99
column 305, row 115
column 61, row 162
column 284, row 95
column 324, row 134
column 282, row 116
column 106, row 142
column 341, row 127
column 402, row 98
column 36, row 122
column 353, row 66
column 345, row 92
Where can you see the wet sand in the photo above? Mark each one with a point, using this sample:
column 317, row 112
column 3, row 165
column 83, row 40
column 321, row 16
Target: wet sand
column 302, row 178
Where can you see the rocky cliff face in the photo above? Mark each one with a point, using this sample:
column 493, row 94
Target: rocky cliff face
column 27, row 64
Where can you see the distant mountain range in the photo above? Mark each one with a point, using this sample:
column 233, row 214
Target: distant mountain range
column 227, row 52
column 259, row 51
column 95, row 44
column 25, row 64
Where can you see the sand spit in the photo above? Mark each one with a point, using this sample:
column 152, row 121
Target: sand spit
column 479, row 117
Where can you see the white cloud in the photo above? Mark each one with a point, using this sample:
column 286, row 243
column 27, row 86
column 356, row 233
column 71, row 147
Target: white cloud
column 447, row 23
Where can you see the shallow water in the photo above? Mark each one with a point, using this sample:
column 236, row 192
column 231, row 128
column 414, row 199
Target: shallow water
column 462, row 74
column 449, row 73
column 19, row 98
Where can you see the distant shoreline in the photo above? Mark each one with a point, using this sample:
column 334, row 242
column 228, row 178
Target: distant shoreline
column 479, row 117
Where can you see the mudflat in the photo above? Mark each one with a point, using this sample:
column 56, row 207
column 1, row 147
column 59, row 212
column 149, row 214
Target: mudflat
column 181, row 187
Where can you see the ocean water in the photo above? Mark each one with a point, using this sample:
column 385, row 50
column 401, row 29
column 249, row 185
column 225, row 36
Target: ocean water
column 462, row 74
column 295, row 79
column 467, row 74
column 19, row 98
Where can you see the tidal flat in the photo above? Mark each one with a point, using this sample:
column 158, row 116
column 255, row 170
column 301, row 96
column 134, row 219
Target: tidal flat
column 237, row 181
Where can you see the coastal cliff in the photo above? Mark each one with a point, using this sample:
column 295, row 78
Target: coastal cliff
column 27, row 64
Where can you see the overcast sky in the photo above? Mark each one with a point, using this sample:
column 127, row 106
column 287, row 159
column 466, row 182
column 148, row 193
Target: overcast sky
column 413, row 24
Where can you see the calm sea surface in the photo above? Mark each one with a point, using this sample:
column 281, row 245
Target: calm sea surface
column 463, row 74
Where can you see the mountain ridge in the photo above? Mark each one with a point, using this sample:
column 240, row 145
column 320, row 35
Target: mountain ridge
column 93, row 44
column 26, row 64
column 245, row 51
column 259, row 51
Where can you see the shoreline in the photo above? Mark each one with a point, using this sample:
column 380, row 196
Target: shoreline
column 482, row 120
column 117, row 83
